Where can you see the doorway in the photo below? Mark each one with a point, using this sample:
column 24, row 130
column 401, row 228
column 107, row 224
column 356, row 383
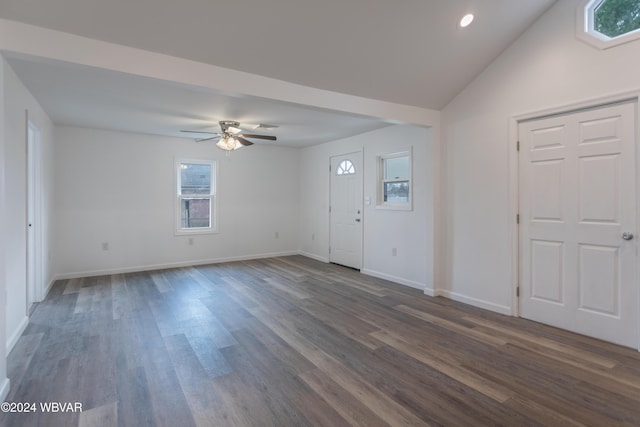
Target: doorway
column 345, row 210
column 577, row 208
column 34, row 216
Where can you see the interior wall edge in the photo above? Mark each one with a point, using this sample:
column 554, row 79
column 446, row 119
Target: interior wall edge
column 4, row 389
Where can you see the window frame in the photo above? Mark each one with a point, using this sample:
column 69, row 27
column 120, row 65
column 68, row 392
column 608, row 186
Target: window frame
column 585, row 28
column 380, row 202
column 212, row 196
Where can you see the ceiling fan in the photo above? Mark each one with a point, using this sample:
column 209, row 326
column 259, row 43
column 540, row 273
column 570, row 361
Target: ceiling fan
column 231, row 136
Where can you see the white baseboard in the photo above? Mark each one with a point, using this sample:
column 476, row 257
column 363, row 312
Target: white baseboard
column 430, row 292
column 314, row 256
column 416, row 285
column 502, row 309
column 4, row 389
column 394, row 279
column 190, row 263
column 13, row 339
column 46, row 291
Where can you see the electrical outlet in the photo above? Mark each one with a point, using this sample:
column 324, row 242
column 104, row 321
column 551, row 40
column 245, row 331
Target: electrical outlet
column 277, row 235
column 394, row 251
column 105, row 246
column 313, row 236
column 190, row 241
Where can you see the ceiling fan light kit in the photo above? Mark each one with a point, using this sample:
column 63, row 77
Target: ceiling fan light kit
column 228, row 143
column 231, row 137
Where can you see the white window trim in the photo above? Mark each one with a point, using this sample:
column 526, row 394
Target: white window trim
column 177, row 197
column 586, row 33
column 380, row 203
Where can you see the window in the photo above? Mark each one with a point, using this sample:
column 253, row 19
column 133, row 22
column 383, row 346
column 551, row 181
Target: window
column 345, row 167
column 608, row 23
column 614, row 18
column 394, row 171
column 195, row 202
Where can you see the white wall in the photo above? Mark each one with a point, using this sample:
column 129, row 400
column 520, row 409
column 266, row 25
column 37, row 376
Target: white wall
column 17, row 100
column 119, row 188
column 411, row 232
column 546, row 67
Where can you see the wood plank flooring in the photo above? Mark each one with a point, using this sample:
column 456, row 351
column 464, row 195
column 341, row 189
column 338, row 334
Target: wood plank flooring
column 294, row 342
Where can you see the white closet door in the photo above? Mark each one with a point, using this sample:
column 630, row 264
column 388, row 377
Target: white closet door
column 577, row 214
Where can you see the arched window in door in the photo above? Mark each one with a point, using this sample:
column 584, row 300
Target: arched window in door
column 345, row 167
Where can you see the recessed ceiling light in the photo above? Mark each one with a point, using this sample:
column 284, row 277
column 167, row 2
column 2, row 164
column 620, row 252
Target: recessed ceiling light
column 466, row 20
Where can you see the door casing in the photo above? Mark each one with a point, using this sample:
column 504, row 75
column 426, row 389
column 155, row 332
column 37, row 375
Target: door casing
column 34, row 217
column 514, row 174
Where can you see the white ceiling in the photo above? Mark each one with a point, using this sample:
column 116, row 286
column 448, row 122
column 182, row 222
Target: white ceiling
column 82, row 96
column 407, row 52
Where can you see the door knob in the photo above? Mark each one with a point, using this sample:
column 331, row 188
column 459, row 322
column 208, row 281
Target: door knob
column 357, row 219
column 627, row 236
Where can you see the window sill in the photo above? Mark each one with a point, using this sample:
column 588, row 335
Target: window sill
column 196, row 231
column 390, row 207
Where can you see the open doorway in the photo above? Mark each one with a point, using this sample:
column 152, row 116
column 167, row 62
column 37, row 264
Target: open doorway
column 34, row 216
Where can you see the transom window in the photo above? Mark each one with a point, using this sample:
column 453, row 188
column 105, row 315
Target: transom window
column 608, row 23
column 195, row 205
column 346, row 167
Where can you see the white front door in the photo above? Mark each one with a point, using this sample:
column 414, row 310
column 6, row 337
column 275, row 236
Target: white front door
column 577, row 201
column 345, row 246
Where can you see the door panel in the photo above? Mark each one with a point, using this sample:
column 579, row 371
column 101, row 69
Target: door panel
column 346, row 208
column 599, row 180
column 599, row 286
column 546, row 271
column 546, row 197
column 577, row 197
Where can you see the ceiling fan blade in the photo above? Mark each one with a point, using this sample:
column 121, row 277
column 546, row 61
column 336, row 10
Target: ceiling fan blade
column 207, row 139
column 243, row 141
column 199, row 131
column 265, row 126
column 269, row 137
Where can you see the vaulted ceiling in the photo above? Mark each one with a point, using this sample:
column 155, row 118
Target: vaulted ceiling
column 408, row 52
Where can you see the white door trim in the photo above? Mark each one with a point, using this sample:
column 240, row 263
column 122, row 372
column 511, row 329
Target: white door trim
column 514, row 174
column 34, row 286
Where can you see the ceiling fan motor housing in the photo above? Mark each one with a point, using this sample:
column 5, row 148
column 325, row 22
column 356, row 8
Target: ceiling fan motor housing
column 226, row 124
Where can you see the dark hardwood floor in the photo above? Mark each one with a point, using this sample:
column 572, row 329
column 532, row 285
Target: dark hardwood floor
column 295, row 342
